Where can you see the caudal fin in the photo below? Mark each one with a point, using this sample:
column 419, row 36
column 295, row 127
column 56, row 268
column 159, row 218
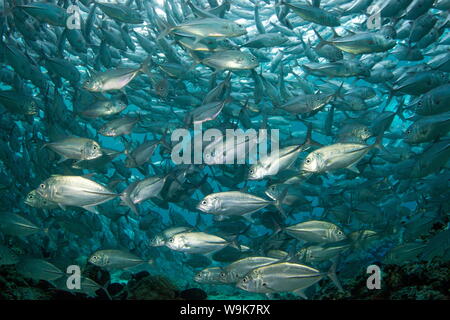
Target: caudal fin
column 145, row 67
column 332, row 275
column 379, row 142
column 129, row 203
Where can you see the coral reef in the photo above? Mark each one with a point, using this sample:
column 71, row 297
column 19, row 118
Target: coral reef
column 15, row 287
column 413, row 281
column 150, row 287
column 141, row 286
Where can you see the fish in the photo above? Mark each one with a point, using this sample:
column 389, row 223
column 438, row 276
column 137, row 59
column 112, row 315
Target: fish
column 207, row 28
column 35, row 200
column 337, row 156
column 196, row 242
column 75, row 191
column 316, row 231
column 115, row 259
column 283, row 277
column 235, row 271
column 314, row 14
column 209, row 275
column 38, row 269
column 76, row 148
column 363, row 43
column 115, row 145
column 140, row 191
column 119, row 126
column 17, row 225
column 231, row 60
column 231, row 203
column 103, row 108
column 114, row 79
column 18, row 103
column 160, row 239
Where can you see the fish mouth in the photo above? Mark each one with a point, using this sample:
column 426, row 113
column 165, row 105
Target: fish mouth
column 32, row 111
column 270, row 195
column 94, row 156
column 241, row 285
column 303, row 169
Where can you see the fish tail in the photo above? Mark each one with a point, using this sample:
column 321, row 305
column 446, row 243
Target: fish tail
column 165, row 32
column 145, row 66
column 309, row 141
column 391, row 92
column 333, row 276
column 43, row 146
column 400, row 109
column 322, row 41
column 338, row 93
column 378, row 142
column 232, row 242
column 197, row 60
column 278, row 202
column 127, row 201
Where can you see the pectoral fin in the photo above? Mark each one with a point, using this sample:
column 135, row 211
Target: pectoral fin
column 301, row 293
column 353, row 168
column 62, row 159
column 92, row 209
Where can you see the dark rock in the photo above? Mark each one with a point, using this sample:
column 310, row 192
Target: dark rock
column 151, row 288
column 140, row 275
column 115, row 288
column 97, row 274
column 418, row 280
column 193, row 294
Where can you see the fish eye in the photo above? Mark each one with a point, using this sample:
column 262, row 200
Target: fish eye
column 387, row 37
column 272, row 188
column 308, row 161
column 171, row 240
column 252, row 171
column 222, row 274
column 42, row 186
column 244, row 279
column 204, row 202
column 94, row 147
column 30, row 196
column 264, row 284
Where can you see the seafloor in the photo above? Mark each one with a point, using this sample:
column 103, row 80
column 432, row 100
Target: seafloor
column 412, row 281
